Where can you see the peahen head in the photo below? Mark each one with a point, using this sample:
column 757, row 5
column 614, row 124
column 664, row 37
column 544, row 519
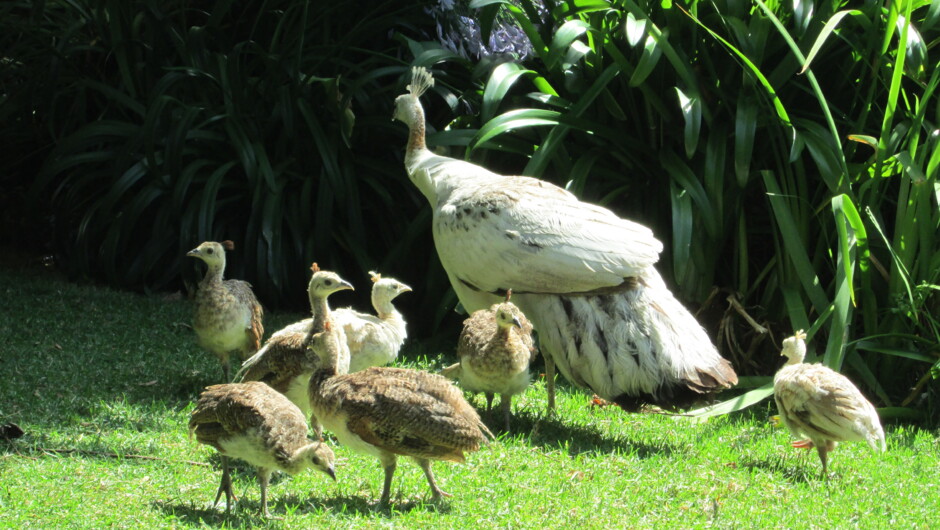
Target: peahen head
column 386, row 289
column 506, row 317
column 794, row 348
column 325, row 283
column 319, row 456
column 407, row 106
column 212, row 253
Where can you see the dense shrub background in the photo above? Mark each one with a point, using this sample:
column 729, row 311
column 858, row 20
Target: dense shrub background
column 787, row 153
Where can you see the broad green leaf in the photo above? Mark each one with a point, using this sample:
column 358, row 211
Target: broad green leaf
column 681, row 173
column 680, row 63
column 745, row 123
column 433, row 56
column 540, row 159
column 817, row 91
column 734, row 404
column 209, row 197
column 824, row 34
column 843, row 210
column 514, row 119
column 751, row 67
column 581, row 171
column 915, row 52
column 897, row 71
column 133, row 176
column 571, row 8
column 682, row 233
column 564, row 36
column 905, row 354
column 635, row 28
column 870, row 141
column 932, row 17
column 828, row 157
column 913, row 169
column 901, row 413
column 715, row 171
column 870, row 380
column 904, row 274
column 691, row 108
column 651, row 54
column 795, row 247
column 501, row 80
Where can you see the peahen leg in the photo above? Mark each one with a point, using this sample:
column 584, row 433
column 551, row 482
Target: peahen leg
column 225, row 486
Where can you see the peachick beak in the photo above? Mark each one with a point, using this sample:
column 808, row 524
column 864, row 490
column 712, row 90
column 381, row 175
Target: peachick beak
column 515, row 322
column 331, row 471
column 347, row 285
column 193, row 253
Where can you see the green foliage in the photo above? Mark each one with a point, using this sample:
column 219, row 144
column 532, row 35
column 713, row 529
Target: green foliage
column 789, row 156
column 265, row 123
column 786, row 155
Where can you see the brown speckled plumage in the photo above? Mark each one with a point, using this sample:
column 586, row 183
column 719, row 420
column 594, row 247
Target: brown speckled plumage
column 495, row 349
column 284, row 362
column 818, row 402
column 227, row 317
column 390, row 412
column 253, row 422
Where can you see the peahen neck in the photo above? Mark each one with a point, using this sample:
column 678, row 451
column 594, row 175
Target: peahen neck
column 383, row 306
column 331, row 363
column 320, row 310
column 416, row 128
column 214, row 274
column 503, row 333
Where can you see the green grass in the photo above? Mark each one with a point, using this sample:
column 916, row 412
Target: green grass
column 112, row 375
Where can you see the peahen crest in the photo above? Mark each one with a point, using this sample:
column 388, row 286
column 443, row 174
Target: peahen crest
column 421, row 81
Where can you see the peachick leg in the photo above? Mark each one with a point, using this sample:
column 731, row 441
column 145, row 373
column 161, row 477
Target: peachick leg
column 505, row 402
column 389, row 462
column 436, row 492
column 225, row 486
column 264, row 477
column 550, row 382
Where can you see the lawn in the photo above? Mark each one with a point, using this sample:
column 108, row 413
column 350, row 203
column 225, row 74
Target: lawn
column 103, row 381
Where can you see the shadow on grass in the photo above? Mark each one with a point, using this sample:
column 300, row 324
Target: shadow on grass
column 245, row 512
column 801, row 471
column 554, row 433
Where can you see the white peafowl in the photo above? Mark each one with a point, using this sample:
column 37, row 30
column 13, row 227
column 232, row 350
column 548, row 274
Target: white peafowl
column 227, row 316
column 284, row 362
column 583, row 276
column 374, row 340
column 390, row 412
column 818, row 402
column 495, row 349
column 253, row 422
